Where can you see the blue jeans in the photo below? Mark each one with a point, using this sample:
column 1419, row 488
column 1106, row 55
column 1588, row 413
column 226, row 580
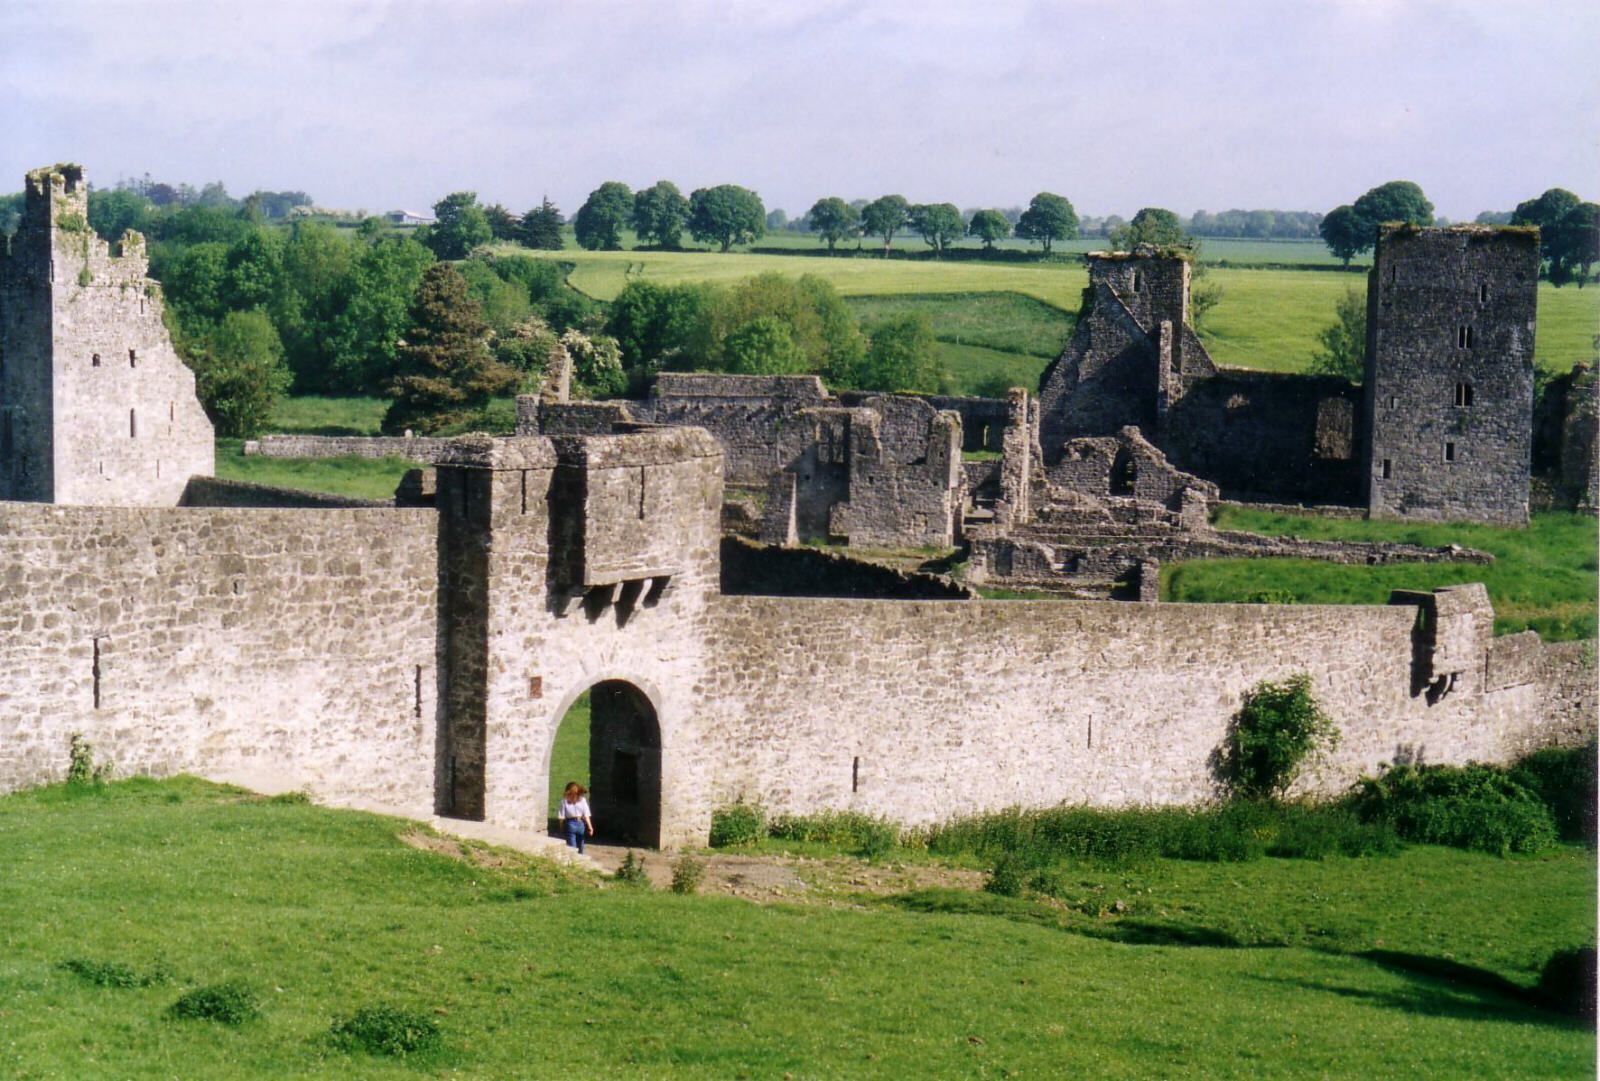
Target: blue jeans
column 575, row 831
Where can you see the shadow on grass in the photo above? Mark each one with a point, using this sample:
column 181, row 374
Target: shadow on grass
column 1128, row 932
column 1439, row 987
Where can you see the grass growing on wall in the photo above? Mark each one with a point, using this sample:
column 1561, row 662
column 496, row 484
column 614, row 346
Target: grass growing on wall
column 1404, row 966
column 1544, row 577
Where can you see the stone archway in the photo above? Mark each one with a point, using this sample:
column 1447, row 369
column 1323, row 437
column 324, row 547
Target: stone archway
column 624, row 765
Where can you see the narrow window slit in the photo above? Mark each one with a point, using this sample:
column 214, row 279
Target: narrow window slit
column 95, row 672
column 855, row 774
column 416, row 706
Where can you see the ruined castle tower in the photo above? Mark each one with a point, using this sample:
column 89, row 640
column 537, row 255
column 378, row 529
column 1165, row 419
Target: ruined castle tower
column 95, row 406
column 1449, row 377
column 1131, row 355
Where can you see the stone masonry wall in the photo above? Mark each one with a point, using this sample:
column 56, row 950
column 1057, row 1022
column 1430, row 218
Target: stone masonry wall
column 412, row 448
column 277, row 648
column 940, row 708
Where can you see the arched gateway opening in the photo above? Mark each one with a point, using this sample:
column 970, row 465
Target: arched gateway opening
column 610, row 742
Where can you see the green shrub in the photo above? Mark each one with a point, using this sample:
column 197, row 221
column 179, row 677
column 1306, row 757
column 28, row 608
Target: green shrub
column 81, row 769
column 686, row 874
column 1567, row 981
column 863, row 835
column 1007, row 876
column 1564, row 780
column 1231, row 832
column 1270, row 596
column 1473, row 807
column 632, row 872
column 1278, row 726
column 114, row 973
column 739, row 823
column 386, row 1030
column 228, row 1003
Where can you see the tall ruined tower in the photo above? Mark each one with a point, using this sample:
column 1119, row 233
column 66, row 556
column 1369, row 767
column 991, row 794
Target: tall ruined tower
column 1131, row 355
column 95, row 406
column 1449, row 377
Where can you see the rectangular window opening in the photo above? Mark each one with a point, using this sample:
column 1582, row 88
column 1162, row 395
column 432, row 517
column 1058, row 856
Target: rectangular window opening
column 133, row 425
column 855, row 774
column 1394, row 403
column 523, row 477
column 1449, row 452
column 1388, row 469
column 133, row 358
column 416, row 702
column 1463, row 394
column 1137, row 281
column 1483, row 292
column 94, row 361
column 641, row 492
column 94, row 672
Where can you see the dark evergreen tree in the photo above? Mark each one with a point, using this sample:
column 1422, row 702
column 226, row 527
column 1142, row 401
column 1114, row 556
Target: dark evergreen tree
column 446, row 371
column 541, row 227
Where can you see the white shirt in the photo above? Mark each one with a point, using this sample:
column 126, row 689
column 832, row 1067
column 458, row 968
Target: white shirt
column 579, row 809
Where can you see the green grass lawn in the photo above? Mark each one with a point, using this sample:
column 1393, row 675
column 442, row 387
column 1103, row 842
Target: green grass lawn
column 1543, row 577
column 362, row 478
column 316, row 415
column 1401, row 966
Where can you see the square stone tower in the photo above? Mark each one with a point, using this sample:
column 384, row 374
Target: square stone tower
column 95, row 405
column 1449, row 377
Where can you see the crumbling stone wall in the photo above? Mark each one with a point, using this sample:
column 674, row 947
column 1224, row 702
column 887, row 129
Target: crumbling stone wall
column 1449, row 380
column 95, row 406
column 748, row 414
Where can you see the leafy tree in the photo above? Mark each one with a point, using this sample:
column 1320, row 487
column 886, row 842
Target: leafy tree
column 1398, row 200
column 253, row 264
column 820, row 325
column 659, row 213
column 1205, row 292
column 372, row 303
column 596, row 364
column 1567, row 233
column 461, row 226
column 503, row 225
column 1344, row 341
column 541, row 227
column 275, row 205
column 899, row 357
column 1493, row 217
column 312, row 293
column 114, row 212
column 1153, row 225
column 446, row 371
column 1049, row 218
column 196, row 284
column 602, row 217
column 503, row 304
column 777, row 220
column 1278, row 727
column 763, row 346
column 661, row 326
column 885, row 216
column 989, row 226
column 1345, row 233
column 727, row 215
column 240, row 373
column 938, row 224
column 834, row 220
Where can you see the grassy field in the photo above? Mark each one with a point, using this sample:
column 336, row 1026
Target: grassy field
column 1544, row 577
column 981, row 337
column 1268, row 319
column 1404, row 966
column 361, row 478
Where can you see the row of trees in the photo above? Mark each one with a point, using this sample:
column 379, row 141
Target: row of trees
column 1049, row 218
column 724, row 215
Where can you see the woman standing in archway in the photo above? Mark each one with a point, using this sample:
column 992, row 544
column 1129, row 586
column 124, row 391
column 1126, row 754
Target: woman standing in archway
column 575, row 821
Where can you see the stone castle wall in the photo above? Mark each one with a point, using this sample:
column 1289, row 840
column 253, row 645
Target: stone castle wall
column 278, row 648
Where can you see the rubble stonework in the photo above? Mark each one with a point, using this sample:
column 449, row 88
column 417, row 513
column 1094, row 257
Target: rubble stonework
column 1449, row 381
column 95, row 406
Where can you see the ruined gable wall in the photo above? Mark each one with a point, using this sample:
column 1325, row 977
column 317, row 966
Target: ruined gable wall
column 953, row 707
column 127, row 428
column 279, row 648
column 1269, row 436
column 1447, row 309
column 1105, row 378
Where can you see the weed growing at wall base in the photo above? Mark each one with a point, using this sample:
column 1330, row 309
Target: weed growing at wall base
column 1278, row 727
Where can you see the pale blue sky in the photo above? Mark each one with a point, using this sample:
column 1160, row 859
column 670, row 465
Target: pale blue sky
column 1120, row 104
